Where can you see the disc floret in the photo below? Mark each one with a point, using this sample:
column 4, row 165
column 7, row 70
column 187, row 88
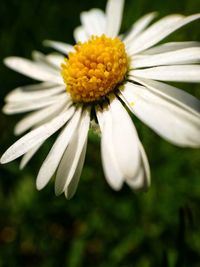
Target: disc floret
column 95, row 68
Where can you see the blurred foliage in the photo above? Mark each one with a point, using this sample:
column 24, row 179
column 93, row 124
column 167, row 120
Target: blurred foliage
column 98, row 227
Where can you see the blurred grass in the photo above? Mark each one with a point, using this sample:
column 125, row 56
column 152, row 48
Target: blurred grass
column 98, row 227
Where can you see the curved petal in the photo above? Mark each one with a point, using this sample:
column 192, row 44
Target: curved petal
column 143, row 178
column 178, row 57
column 169, row 120
column 114, row 12
column 169, row 47
column 59, row 46
column 71, row 157
column 71, row 188
column 36, row 136
column 139, row 26
column 145, row 163
column 53, row 159
column 55, row 59
column 125, row 139
column 112, row 172
column 49, row 62
column 94, row 21
column 80, row 34
column 32, row 69
column 41, row 60
column 159, row 31
column 178, row 73
column 172, row 94
column 21, row 95
column 123, row 147
column 37, row 117
column 19, row 107
column 28, row 155
column 10, row 97
column 137, row 183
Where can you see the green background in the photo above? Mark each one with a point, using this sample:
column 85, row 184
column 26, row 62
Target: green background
column 98, row 227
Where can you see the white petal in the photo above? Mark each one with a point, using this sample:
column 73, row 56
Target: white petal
column 178, row 73
column 36, row 117
column 53, row 159
column 70, row 159
column 19, row 107
column 173, row 94
column 168, row 47
column 182, row 56
column 56, row 60
column 28, row 156
column 143, row 178
column 10, row 97
column 59, row 46
column 169, row 120
column 145, row 163
column 64, row 169
column 112, row 172
column 94, row 21
column 159, row 31
column 36, row 136
column 50, row 62
column 71, row 188
column 137, row 184
column 41, row 60
column 139, row 26
column 21, row 95
column 29, row 88
column 125, row 139
column 32, row 69
column 80, row 34
column 114, row 12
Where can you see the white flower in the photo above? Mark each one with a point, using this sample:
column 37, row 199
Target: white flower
column 99, row 76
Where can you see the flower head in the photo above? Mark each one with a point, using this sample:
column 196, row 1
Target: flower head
column 103, row 73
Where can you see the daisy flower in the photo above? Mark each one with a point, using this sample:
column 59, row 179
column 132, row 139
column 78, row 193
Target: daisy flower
column 100, row 79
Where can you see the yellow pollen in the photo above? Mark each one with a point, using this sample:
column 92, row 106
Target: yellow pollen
column 95, row 68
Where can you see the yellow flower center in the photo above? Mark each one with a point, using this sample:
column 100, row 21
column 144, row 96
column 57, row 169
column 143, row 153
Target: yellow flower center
column 95, row 68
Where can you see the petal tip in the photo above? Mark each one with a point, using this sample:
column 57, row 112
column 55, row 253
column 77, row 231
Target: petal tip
column 8, row 61
column 46, row 42
column 58, row 190
column 39, row 185
column 4, row 159
column 21, row 166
